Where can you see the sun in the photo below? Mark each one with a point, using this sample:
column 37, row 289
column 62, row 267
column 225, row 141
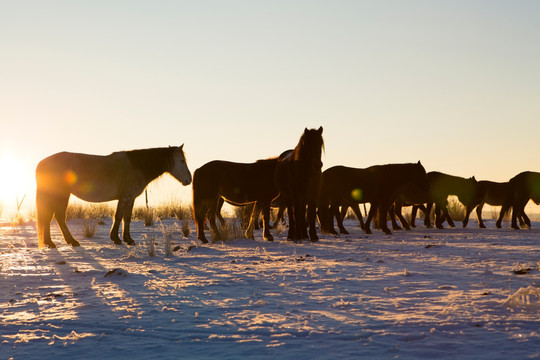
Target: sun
column 15, row 179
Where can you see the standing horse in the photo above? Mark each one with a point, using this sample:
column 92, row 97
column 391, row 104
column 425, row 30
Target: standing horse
column 495, row 194
column 238, row 184
column 298, row 179
column 525, row 186
column 119, row 176
column 444, row 185
column 380, row 185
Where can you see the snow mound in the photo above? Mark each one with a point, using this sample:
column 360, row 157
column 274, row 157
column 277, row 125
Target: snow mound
column 528, row 297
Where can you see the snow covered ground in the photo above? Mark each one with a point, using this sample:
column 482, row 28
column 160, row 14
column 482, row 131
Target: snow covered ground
column 426, row 293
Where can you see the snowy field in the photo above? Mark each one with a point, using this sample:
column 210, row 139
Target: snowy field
column 423, row 294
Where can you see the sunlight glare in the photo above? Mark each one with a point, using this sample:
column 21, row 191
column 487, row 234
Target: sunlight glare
column 15, row 180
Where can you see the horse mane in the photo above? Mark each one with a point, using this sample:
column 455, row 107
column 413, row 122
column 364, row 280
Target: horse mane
column 152, row 162
column 295, row 154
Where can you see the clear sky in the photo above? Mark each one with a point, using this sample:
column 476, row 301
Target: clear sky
column 455, row 84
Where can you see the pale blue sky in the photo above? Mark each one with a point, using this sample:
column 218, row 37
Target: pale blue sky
column 455, row 84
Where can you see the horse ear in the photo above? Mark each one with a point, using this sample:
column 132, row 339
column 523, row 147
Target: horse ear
column 305, row 131
column 320, row 130
column 473, row 178
column 182, row 147
column 419, row 163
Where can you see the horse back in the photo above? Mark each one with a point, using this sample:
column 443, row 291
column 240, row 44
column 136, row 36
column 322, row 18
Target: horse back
column 89, row 177
column 237, row 182
column 443, row 185
column 526, row 185
column 494, row 193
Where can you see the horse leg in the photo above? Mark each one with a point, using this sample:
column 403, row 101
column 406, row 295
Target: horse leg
column 266, row 222
column 414, row 210
column 383, row 211
column 356, row 209
column 279, row 217
column 218, row 211
column 439, row 218
column 518, row 213
column 211, row 215
column 252, row 220
column 292, row 221
column 479, row 209
column 60, row 208
column 427, row 215
column 525, row 219
column 45, row 213
column 367, row 225
column 312, row 214
column 127, row 220
column 504, row 210
column 446, row 215
column 468, row 210
column 120, row 209
column 397, row 210
column 199, row 215
column 392, row 214
column 335, row 213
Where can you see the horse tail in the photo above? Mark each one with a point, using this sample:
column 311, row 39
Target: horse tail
column 45, row 213
column 198, row 203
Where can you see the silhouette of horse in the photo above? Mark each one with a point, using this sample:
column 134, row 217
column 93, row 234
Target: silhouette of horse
column 444, row 185
column 525, row 186
column 119, row 176
column 495, row 194
column 380, row 185
column 276, row 203
column 238, row 184
column 298, row 179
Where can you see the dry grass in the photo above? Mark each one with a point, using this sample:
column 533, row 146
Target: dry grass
column 230, row 230
column 186, row 228
column 93, row 211
column 456, row 210
column 89, row 227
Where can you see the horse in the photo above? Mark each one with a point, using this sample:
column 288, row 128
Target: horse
column 379, row 185
column 119, row 176
column 444, row 185
column 238, row 184
column 298, row 179
column 495, row 194
column 525, row 186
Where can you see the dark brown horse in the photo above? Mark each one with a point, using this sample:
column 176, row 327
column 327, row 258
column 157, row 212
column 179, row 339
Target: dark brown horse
column 444, row 185
column 298, row 179
column 238, row 184
column 119, row 176
column 378, row 185
column 495, row 194
column 525, row 186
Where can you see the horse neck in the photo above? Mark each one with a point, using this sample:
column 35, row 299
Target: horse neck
column 151, row 162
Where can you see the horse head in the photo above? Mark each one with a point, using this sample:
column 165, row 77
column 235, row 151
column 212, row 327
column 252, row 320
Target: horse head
column 310, row 147
column 179, row 169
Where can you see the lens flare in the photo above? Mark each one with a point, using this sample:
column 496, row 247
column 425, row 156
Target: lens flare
column 357, row 195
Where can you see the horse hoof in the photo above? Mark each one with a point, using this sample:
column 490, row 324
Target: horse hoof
column 75, row 243
column 117, row 241
column 50, row 245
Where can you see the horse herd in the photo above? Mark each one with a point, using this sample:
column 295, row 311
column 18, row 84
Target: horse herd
column 293, row 181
